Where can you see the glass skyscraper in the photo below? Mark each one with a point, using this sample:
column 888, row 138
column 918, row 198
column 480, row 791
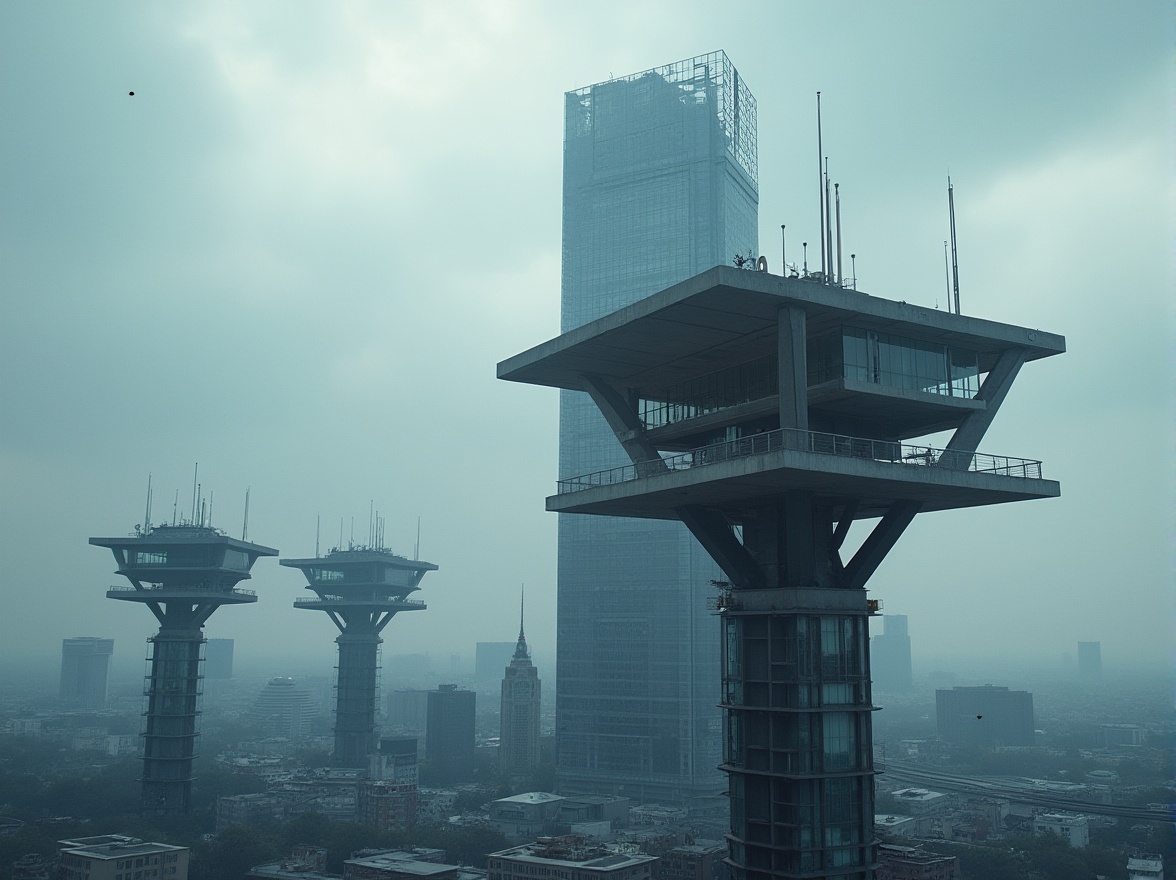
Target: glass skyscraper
column 660, row 183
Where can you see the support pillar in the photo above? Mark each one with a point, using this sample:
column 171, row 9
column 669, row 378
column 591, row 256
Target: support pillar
column 355, row 698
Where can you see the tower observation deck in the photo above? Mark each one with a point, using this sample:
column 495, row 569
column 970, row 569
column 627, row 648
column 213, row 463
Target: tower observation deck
column 182, row 573
column 770, row 415
column 361, row 589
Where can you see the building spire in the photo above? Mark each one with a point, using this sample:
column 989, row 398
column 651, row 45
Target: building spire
column 521, row 652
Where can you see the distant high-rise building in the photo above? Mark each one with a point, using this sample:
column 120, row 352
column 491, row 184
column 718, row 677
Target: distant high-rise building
column 660, row 183
column 1090, row 661
column 85, row 666
column 218, row 659
column 890, row 655
column 283, row 709
column 408, row 710
column 490, row 658
column 449, row 734
column 518, row 743
column 986, row 716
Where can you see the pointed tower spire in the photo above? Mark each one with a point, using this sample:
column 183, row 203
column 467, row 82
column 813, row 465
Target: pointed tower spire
column 521, row 652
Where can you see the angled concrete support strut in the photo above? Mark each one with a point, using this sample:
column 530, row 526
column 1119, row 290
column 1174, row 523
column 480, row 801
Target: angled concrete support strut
column 711, row 530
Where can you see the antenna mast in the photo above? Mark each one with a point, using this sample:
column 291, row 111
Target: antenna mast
column 837, row 200
column 947, row 274
column 828, row 232
column 416, row 553
column 245, row 527
column 821, row 182
column 955, row 266
column 195, row 471
column 147, row 514
column 318, row 523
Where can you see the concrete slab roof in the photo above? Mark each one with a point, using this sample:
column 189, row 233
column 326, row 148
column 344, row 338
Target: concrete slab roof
column 726, row 316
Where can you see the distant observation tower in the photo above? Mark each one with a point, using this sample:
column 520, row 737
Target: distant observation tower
column 361, row 589
column 182, row 572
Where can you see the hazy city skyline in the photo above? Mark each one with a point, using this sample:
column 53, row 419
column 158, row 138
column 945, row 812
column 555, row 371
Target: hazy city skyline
column 296, row 253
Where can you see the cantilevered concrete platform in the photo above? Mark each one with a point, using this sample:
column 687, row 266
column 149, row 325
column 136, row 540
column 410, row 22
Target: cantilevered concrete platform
column 740, row 472
column 725, row 315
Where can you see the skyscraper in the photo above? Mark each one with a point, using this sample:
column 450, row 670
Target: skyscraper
column 1090, row 661
column 449, row 734
column 518, row 744
column 890, row 655
column 85, row 665
column 218, row 659
column 986, row 716
column 660, row 183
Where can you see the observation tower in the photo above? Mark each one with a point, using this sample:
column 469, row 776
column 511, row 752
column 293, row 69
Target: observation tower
column 182, row 573
column 361, row 589
column 771, row 415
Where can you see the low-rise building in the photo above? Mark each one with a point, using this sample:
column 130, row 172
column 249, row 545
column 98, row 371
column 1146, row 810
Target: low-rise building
column 1145, row 867
column 406, row 864
column 526, row 816
column 1073, row 829
column 595, row 808
column 701, row 860
column 568, row 858
column 304, row 863
column 922, row 801
column 912, row 863
column 899, row 826
column 116, row 857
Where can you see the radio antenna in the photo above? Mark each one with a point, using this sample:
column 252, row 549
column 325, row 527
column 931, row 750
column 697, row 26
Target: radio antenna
column 837, row 203
column 318, row 524
column 821, row 183
column 147, row 513
column 947, row 274
column 195, row 471
column 245, row 527
column 955, row 265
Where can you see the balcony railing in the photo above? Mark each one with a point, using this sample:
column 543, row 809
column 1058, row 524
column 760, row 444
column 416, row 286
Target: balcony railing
column 181, row 588
column 359, row 600
column 793, row 439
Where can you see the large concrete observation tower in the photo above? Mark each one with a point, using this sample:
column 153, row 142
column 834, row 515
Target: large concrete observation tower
column 361, row 589
column 182, row 573
column 770, row 415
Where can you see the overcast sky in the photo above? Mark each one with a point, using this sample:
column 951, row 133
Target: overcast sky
column 296, row 254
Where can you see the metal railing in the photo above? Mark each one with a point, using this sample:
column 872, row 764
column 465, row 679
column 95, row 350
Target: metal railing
column 343, row 600
column 793, row 439
column 186, row 588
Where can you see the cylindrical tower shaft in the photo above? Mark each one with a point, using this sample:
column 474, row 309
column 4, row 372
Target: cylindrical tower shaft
column 169, row 739
column 799, row 735
column 355, row 698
